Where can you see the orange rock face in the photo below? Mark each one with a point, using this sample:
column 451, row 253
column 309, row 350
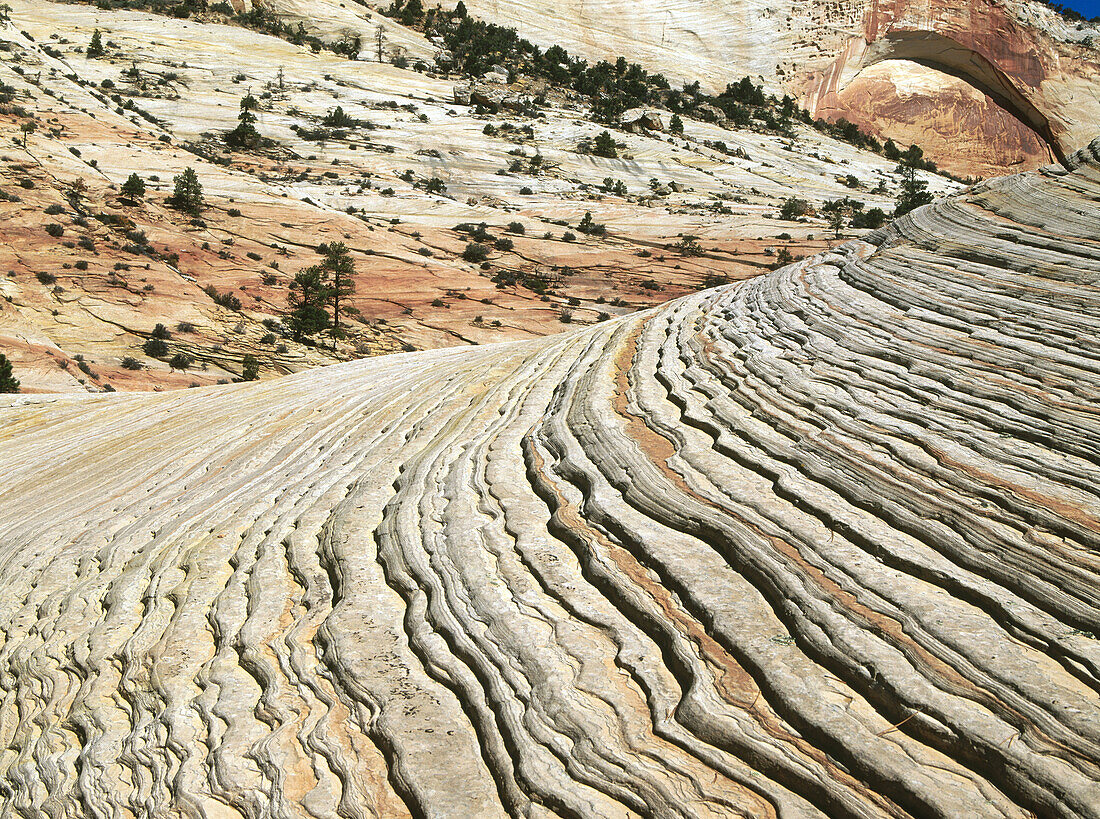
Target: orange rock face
column 1034, row 75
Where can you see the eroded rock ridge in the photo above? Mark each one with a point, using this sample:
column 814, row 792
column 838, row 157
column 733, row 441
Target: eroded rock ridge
column 821, row 543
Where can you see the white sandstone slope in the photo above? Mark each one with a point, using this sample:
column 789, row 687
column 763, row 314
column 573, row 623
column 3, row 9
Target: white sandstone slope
column 822, row 543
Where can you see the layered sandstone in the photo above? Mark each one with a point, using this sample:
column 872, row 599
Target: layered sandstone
column 821, row 543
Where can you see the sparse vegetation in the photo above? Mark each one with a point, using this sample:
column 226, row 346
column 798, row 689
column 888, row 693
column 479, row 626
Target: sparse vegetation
column 689, row 246
column 590, row 227
column 227, row 300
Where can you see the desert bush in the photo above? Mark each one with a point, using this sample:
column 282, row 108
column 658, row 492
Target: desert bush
column 180, row 361
column 475, row 252
column 155, row 347
column 793, row 208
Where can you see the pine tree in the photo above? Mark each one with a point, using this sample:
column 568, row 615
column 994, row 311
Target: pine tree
column 913, row 194
column 316, row 287
column 307, row 299
column 604, row 145
column 676, row 125
column 187, row 195
column 8, row 381
column 245, row 134
column 133, row 187
column 339, row 268
column 95, row 46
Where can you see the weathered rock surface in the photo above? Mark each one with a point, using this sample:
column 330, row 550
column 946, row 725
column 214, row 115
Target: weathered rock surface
column 822, row 543
column 1018, row 54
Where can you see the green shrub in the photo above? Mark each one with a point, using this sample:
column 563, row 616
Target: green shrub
column 475, row 252
column 180, row 361
column 155, row 347
column 8, row 382
column 793, row 208
column 251, row 368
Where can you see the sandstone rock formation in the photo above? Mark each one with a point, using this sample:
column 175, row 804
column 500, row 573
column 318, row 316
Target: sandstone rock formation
column 987, row 86
column 821, row 543
column 166, row 92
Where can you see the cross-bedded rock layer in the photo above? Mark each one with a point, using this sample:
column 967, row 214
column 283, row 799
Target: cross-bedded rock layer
column 820, row 543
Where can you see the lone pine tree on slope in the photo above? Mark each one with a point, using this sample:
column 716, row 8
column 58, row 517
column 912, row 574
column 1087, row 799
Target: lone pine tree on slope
column 187, row 195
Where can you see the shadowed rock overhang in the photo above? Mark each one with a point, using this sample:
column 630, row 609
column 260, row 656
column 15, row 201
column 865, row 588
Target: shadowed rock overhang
column 942, row 53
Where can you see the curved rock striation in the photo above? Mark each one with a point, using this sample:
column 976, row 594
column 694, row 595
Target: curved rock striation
column 824, row 543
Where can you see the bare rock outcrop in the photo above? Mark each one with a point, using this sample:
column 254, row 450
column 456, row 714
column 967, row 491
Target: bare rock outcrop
column 821, row 543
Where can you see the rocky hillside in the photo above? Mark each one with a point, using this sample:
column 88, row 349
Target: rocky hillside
column 87, row 272
column 821, row 543
column 959, row 78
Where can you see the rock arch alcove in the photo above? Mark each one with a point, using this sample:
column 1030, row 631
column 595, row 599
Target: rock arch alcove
column 942, row 53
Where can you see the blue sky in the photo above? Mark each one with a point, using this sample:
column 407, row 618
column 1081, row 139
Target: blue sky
column 1089, row 8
